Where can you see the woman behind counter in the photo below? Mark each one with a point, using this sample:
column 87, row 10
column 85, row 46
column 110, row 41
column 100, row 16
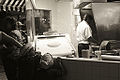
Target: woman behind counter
column 84, row 34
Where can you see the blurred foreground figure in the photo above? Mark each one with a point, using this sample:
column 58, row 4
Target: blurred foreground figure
column 10, row 51
column 26, row 64
column 34, row 66
column 5, row 42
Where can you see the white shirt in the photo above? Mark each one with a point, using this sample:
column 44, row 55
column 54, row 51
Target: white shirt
column 83, row 32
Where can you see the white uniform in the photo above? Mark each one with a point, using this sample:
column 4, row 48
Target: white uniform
column 83, row 32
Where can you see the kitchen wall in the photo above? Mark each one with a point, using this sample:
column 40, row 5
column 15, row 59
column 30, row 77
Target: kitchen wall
column 62, row 18
column 65, row 20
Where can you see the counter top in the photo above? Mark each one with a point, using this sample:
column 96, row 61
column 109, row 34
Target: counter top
column 91, row 60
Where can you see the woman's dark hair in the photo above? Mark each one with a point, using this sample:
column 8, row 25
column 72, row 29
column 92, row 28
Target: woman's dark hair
column 12, row 21
column 8, row 24
column 3, row 14
column 85, row 15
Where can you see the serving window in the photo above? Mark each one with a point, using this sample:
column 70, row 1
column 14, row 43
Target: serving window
column 42, row 21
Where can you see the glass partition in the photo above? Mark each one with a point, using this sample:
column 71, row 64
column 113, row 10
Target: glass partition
column 42, row 21
column 38, row 22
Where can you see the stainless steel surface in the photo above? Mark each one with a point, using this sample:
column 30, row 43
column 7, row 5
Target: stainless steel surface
column 107, row 19
column 111, row 58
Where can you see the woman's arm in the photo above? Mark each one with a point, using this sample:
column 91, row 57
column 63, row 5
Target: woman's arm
column 7, row 39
